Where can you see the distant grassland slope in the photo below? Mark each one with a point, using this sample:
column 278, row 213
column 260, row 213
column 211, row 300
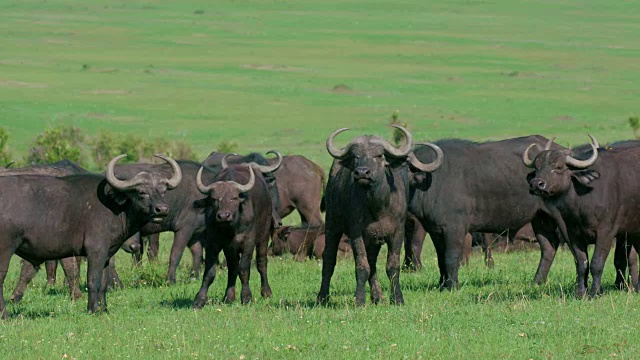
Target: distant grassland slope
column 284, row 74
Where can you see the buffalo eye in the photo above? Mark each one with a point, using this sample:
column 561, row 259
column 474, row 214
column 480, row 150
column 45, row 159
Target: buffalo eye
column 143, row 194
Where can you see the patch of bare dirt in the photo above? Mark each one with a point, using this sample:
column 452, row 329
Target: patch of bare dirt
column 22, row 84
column 107, row 92
column 271, row 67
column 342, row 88
column 565, row 118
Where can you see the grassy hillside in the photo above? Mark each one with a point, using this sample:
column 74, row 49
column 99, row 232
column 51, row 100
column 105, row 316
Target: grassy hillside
column 282, row 75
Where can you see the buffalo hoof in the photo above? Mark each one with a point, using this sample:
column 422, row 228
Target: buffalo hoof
column 16, row 298
column 266, row 292
column 397, row 301
column 322, row 299
column 490, row 263
column 246, row 297
column 198, row 303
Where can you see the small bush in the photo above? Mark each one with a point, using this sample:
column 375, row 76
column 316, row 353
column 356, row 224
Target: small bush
column 226, row 146
column 5, row 155
column 105, row 147
column 634, row 122
column 397, row 136
column 181, row 150
column 56, row 144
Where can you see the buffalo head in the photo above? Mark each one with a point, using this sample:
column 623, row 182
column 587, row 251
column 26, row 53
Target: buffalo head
column 226, row 196
column 369, row 156
column 145, row 190
column 555, row 170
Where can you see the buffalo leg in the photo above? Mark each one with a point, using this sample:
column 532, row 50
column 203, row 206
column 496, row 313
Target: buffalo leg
column 180, row 241
column 466, row 253
column 71, row 268
column 414, row 241
column 27, row 273
column 487, row 242
column 113, row 280
column 621, row 257
column 633, row 267
column 51, row 266
column 195, row 245
column 439, row 245
column 362, row 268
column 96, row 263
column 454, row 241
column 581, row 258
column 545, row 231
column 329, row 258
column 261, row 264
column 154, row 246
column 245, row 272
column 372, row 258
column 600, row 253
column 5, row 258
column 393, row 268
column 233, row 259
column 210, row 265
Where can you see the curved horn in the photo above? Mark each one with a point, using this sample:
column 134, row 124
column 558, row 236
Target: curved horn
column 224, row 160
column 205, row 189
column 268, row 168
column 117, row 183
column 333, row 151
column 549, row 143
column 177, row 172
column 404, row 150
column 246, row 187
column 430, row 167
column 581, row 164
column 525, row 155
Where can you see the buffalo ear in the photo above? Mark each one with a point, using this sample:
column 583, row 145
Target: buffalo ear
column 243, row 196
column 118, row 196
column 584, row 177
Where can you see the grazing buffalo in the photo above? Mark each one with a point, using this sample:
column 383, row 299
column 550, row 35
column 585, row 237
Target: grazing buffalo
column 593, row 201
column 238, row 220
column 366, row 199
column 478, row 188
column 78, row 215
column 290, row 239
column 186, row 214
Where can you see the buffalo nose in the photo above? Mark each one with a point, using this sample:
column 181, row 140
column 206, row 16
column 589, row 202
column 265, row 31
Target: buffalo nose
column 538, row 184
column 363, row 172
column 161, row 209
column 223, row 216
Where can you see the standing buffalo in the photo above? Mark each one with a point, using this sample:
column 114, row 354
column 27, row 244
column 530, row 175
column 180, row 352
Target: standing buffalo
column 79, row 215
column 366, row 198
column 299, row 182
column 478, row 188
column 593, row 201
column 186, row 215
column 238, row 220
column 70, row 265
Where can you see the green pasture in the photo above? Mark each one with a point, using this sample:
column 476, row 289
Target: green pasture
column 282, row 75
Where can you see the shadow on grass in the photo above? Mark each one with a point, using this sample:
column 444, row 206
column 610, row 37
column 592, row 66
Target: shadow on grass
column 177, row 303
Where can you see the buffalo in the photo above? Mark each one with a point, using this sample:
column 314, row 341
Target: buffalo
column 70, row 265
column 78, row 215
column 478, row 188
column 290, row 239
column 238, row 220
column 593, row 200
column 186, row 217
column 366, row 198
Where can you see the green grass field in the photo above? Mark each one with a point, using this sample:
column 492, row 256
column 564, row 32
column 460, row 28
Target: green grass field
column 282, row 75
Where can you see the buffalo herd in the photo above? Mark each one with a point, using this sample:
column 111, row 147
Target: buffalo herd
column 377, row 193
